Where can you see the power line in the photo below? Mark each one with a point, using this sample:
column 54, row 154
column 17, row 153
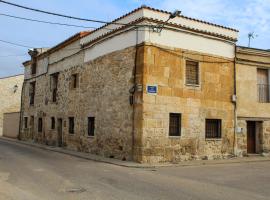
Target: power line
column 16, row 44
column 46, row 22
column 5, row 56
column 61, row 15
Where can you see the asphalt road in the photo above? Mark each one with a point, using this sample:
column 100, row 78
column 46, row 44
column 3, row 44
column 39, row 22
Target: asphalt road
column 28, row 173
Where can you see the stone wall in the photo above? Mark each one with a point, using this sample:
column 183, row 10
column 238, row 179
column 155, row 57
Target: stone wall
column 212, row 99
column 103, row 93
column 10, row 100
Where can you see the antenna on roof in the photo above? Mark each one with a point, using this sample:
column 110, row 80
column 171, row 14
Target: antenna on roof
column 251, row 35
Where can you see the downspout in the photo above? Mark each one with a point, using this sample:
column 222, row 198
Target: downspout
column 132, row 94
column 235, row 104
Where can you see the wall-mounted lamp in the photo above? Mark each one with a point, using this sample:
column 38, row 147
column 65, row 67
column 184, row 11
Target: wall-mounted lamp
column 15, row 88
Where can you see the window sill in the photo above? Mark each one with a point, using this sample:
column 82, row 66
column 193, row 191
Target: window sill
column 213, row 139
column 174, row 137
column 92, row 136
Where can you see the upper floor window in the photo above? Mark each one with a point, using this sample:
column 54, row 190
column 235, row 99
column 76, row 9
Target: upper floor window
column 32, row 91
column 74, row 81
column 175, row 124
column 213, row 128
column 192, row 73
column 54, row 86
column 263, row 85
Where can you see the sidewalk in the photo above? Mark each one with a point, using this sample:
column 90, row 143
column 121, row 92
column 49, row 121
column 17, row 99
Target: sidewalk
column 131, row 164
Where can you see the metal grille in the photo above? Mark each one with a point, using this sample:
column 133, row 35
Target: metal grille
column 213, row 128
column 192, row 72
column 71, row 125
column 263, row 93
column 175, row 124
column 91, row 126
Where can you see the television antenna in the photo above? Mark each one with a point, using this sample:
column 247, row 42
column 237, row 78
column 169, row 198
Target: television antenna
column 251, row 35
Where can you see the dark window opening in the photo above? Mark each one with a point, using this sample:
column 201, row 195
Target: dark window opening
column 213, row 128
column 192, row 72
column 52, row 123
column 25, row 122
column 54, row 86
column 32, row 91
column 74, row 81
column 175, row 124
column 91, row 126
column 71, row 125
column 40, row 125
column 34, row 66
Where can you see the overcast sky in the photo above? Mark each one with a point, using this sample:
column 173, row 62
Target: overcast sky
column 244, row 15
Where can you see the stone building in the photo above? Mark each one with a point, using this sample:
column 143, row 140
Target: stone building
column 253, row 108
column 141, row 88
column 10, row 99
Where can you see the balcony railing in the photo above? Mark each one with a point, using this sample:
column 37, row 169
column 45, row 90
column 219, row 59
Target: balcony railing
column 263, row 93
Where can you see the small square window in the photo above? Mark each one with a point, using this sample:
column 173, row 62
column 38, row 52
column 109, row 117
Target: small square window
column 192, row 73
column 71, row 125
column 25, row 122
column 40, row 125
column 91, row 126
column 52, row 123
column 213, row 128
column 175, row 124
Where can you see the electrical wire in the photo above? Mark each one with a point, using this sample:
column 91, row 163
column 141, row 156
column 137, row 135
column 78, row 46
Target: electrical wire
column 5, row 56
column 16, row 44
column 61, row 15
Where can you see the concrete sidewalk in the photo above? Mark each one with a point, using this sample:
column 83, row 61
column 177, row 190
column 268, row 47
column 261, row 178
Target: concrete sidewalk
column 131, row 164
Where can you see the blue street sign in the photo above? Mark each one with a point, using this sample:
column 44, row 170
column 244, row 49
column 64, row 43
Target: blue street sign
column 151, row 89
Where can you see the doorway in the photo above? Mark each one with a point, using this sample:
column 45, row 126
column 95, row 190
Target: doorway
column 60, row 132
column 251, row 137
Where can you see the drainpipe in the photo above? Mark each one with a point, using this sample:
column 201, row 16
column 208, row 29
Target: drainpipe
column 235, row 104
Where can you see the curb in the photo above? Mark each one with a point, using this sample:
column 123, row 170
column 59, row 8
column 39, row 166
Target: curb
column 130, row 164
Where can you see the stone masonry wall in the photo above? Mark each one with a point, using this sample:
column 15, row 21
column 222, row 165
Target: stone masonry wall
column 10, row 101
column 103, row 93
column 212, row 99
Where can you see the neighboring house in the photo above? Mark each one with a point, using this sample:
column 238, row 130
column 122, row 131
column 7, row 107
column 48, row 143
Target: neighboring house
column 253, row 101
column 136, row 89
column 10, row 99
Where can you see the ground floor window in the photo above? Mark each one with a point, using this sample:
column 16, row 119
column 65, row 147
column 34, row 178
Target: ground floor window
column 175, row 124
column 25, row 122
column 213, row 128
column 52, row 123
column 91, row 126
column 71, row 125
column 40, row 125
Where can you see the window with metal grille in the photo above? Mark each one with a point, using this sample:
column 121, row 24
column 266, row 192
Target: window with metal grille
column 175, row 124
column 40, row 125
column 212, row 128
column 71, row 125
column 263, row 85
column 91, row 126
column 52, row 123
column 192, row 73
column 32, row 91
column 25, row 122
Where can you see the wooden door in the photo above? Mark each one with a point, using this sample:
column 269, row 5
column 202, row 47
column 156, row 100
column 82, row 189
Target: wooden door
column 60, row 132
column 251, row 137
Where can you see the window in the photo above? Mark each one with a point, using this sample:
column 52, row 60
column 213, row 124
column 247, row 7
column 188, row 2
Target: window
column 213, row 128
column 54, row 85
column 32, row 91
column 192, row 73
column 71, row 125
column 91, row 126
column 263, row 85
column 52, row 123
column 25, row 122
column 74, row 81
column 40, row 125
column 175, row 124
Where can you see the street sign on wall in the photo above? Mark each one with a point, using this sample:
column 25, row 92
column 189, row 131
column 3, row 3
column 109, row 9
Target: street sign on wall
column 152, row 89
